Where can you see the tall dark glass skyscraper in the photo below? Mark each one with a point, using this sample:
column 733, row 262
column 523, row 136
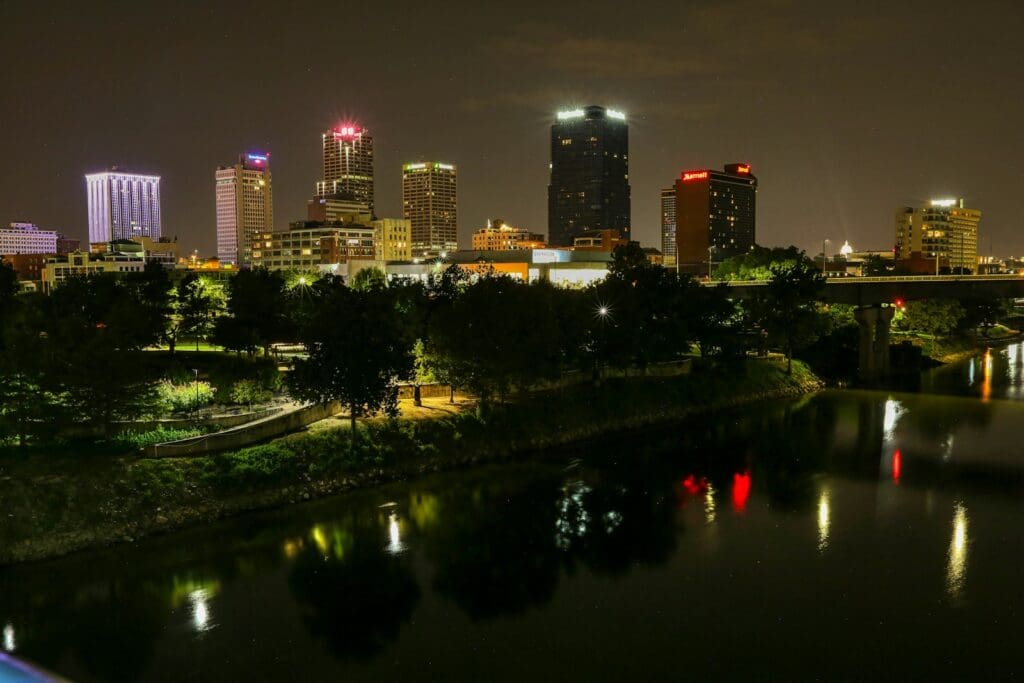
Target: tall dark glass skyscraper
column 589, row 187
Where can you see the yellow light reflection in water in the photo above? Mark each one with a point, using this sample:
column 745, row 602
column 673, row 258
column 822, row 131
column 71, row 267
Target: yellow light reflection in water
column 709, row 504
column 200, row 610
column 957, row 568
column 986, row 377
column 394, row 535
column 824, row 520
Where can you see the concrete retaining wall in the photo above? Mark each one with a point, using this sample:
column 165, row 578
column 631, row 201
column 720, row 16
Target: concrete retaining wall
column 244, row 435
column 223, row 421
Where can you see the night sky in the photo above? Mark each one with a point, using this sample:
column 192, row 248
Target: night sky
column 845, row 109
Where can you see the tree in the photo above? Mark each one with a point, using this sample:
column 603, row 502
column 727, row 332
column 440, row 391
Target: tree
column 759, row 262
column 423, row 371
column 257, row 312
column 875, row 266
column 640, row 312
column 357, row 352
column 498, row 335
column 786, row 313
column 936, row 317
column 249, row 391
column 193, row 307
column 369, row 278
column 92, row 327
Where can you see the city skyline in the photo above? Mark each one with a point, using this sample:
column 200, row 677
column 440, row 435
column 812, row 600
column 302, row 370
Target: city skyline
column 806, row 118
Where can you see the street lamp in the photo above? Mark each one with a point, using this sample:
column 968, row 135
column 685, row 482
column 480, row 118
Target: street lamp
column 824, row 255
column 196, row 371
column 711, row 248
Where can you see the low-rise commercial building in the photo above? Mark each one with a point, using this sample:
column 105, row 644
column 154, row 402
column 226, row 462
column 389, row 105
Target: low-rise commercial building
column 79, row 263
column 499, row 236
column 310, row 244
column 28, row 267
column 392, row 239
column 27, row 238
column 163, row 251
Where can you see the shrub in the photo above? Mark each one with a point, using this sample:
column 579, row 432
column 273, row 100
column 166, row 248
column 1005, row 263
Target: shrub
column 184, row 398
column 249, row 391
column 160, row 435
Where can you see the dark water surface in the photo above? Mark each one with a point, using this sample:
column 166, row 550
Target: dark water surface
column 854, row 535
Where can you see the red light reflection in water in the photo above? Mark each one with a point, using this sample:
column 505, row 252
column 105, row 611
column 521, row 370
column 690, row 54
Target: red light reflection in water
column 690, row 487
column 740, row 491
column 897, row 466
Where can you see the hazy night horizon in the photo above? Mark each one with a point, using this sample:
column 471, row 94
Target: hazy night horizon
column 844, row 115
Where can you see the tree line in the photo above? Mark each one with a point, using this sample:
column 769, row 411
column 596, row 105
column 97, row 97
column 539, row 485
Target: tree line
column 73, row 355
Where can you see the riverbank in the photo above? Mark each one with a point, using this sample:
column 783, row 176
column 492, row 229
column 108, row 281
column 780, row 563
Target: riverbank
column 65, row 506
column 955, row 349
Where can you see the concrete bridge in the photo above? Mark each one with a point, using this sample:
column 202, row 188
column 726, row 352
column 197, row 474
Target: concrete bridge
column 875, row 297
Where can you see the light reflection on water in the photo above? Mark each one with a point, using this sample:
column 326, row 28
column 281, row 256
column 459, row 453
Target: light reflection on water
column 956, row 570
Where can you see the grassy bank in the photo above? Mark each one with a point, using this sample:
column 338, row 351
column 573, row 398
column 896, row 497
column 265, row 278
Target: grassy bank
column 52, row 510
column 959, row 347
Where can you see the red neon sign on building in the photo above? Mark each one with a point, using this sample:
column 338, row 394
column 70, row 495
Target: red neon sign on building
column 690, row 176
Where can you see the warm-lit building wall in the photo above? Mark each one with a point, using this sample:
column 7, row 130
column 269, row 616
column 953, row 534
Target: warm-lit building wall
column 306, row 246
column 600, row 240
column 337, row 210
column 392, row 239
column 79, row 263
column 498, row 236
column 245, row 206
column 943, row 231
column 715, row 210
column 430, row 204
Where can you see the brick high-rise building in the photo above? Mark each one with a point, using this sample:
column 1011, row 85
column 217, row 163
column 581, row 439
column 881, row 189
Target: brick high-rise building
column 716, row 216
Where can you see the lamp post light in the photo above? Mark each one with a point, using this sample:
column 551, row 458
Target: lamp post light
column 196, row 371
column 824, row 256
column 711, row 248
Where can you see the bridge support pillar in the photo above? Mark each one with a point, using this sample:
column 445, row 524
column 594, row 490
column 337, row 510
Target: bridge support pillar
column 874, row 324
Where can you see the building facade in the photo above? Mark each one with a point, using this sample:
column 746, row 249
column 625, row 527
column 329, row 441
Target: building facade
column 163, row 251
column 27, row 238
column 499, row 236
column 945, row 232
column 392, row 239
column 122, row 205
column 245, row 206
column 589, row 187
column 348, row 165
column 668, row 226
column 335, row 209
column 716, row 215
column 430, row 204
column 307, row 245
column 78, row 264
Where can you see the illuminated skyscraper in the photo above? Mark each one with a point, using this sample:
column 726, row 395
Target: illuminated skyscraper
column 245, row 206
column 122, row 205
column 348, row 165
column 716, row 214
column 668, row 225
column 430, row 204
column 944, row 231
column 589, row 187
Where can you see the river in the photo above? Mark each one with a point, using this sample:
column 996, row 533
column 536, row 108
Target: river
column 851, row 535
